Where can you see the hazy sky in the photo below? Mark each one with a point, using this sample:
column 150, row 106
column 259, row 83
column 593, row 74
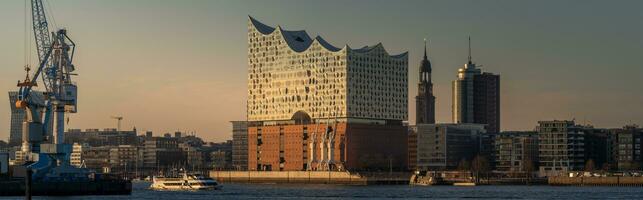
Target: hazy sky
column 181, row 65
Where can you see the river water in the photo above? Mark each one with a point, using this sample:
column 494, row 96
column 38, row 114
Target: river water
column 285, row 191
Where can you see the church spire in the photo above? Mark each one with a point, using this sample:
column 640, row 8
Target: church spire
column 425, row 58
column 425, row 64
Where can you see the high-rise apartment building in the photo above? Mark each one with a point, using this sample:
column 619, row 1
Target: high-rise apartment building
column 314, row 106
column 476, row 97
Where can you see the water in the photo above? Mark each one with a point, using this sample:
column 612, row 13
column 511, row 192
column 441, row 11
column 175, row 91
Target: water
column 272, row 191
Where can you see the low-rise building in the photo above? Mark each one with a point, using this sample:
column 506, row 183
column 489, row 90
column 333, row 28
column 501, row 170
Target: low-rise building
column 124, row 158
column 105, row 137
column 220, row 159
column 96, row 158
column 194, row 155
column 163, row 153
column 76, row 156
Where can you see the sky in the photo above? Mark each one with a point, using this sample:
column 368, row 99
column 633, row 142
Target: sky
column 181, row 65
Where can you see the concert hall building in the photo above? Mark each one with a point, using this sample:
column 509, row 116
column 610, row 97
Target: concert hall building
column 314, row 106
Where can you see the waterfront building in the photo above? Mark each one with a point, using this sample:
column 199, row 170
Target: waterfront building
column 314, row 106
column 240, row 145
column 565, row 146
column 445, row 146
column 516, row 151
column 476, row 97
column 561, row 147
column 598, row 147
column 18, row 116
column 627, row 151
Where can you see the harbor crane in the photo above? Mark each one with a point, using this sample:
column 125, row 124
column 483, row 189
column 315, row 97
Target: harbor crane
column 118, row 118
column 44, row 148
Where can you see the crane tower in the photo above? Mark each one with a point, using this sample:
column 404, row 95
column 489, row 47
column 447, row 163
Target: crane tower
column 55, row 69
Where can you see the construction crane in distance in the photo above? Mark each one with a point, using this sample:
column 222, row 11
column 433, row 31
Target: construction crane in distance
column 118, row 118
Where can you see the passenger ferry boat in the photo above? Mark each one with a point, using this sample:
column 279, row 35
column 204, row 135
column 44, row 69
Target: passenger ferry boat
column 186, row 182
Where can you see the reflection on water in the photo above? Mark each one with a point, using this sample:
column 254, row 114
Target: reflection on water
column 283, row 191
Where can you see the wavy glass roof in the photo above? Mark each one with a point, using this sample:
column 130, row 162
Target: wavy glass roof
column 300, row 40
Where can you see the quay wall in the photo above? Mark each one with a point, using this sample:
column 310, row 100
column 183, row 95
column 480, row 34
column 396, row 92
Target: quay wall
column 307, row 177
column 596, row 181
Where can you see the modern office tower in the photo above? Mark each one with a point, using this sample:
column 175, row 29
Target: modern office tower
column 314, row 106
column 425, row 101
column 516, row 151
column 561, row 145
column 476, row 97
column 18, row 116
column 444, row 146
column 486, row 103
column 240, row 145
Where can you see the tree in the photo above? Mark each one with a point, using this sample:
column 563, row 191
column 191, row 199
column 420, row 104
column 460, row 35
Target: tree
column 606, row 167
column 589, row 165
column 463, row 165
column 634, row 166
column 480, row 165
column 528, row 166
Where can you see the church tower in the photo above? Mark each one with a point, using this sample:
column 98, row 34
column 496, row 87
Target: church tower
column 425, row 101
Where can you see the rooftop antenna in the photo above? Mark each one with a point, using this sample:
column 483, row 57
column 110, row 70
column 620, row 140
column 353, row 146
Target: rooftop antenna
column 469, row 49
